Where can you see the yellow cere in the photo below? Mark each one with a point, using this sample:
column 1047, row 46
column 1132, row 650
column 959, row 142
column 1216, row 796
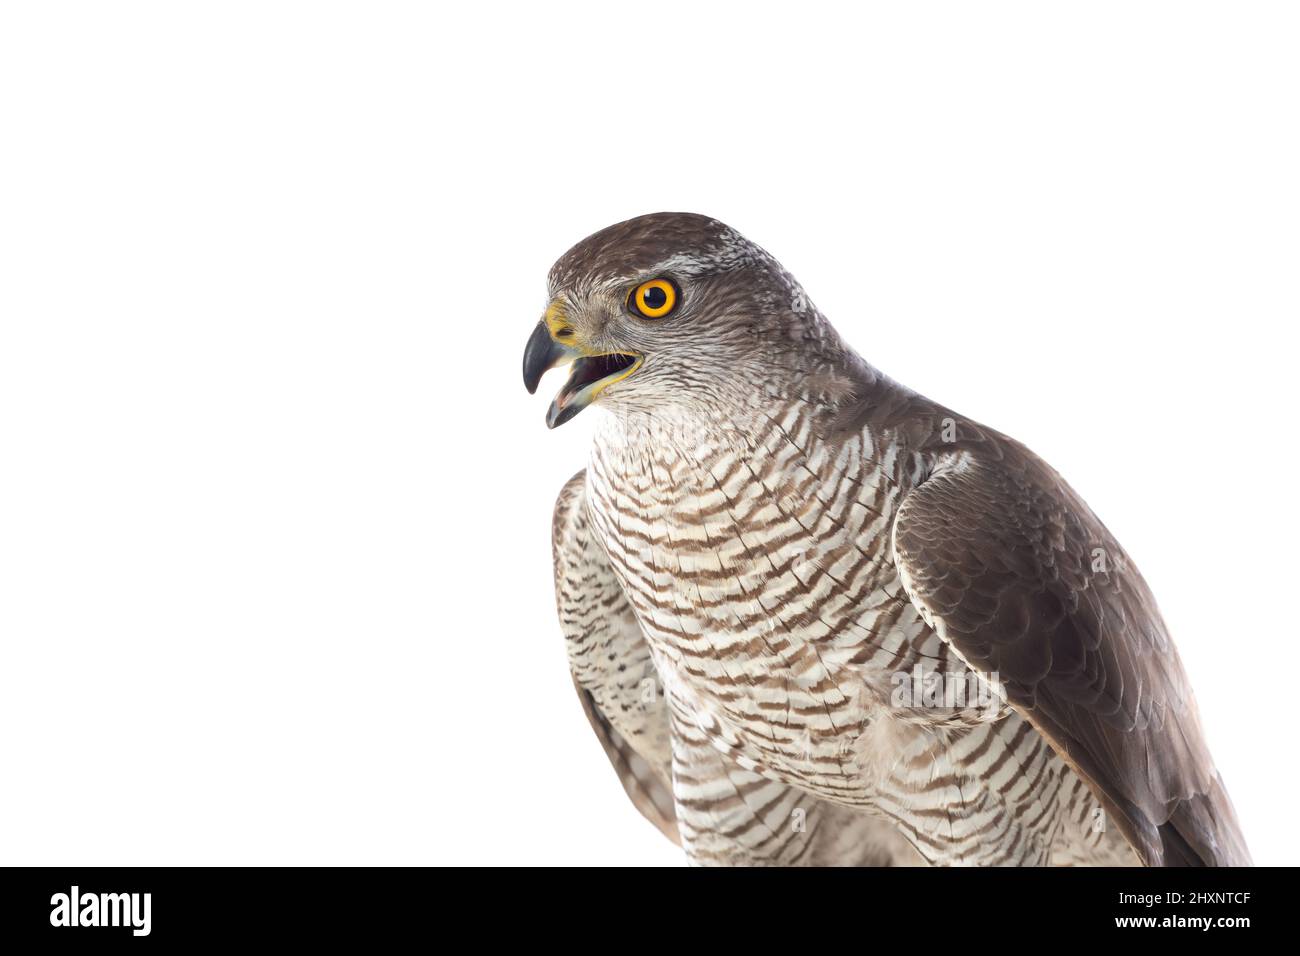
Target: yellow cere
column 556, row 321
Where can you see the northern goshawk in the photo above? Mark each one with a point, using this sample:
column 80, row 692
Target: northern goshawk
column 817, row 618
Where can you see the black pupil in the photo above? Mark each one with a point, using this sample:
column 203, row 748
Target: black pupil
column 654, row 298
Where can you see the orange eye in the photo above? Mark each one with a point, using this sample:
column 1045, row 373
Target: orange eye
column 654, row 299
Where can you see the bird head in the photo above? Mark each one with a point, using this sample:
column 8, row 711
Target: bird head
column 665, row 310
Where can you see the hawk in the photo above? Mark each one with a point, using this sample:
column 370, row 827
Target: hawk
column 816, row 618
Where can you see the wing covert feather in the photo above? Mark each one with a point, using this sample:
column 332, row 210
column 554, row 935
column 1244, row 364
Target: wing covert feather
column 1010, row 567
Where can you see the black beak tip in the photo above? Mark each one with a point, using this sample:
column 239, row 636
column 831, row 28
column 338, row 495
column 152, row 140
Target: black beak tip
column 532, row 373
column 556, row 416
column 540, row 354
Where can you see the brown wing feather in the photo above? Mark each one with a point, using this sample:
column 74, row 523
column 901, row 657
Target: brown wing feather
column 1012, row 568
column 644, row 787
column 611, row 662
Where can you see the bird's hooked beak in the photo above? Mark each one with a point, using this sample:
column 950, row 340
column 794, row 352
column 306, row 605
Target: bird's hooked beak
column 555, row 342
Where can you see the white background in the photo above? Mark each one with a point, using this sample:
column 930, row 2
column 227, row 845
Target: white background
column 274, row 504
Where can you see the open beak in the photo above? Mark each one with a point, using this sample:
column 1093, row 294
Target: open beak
column 591, row 373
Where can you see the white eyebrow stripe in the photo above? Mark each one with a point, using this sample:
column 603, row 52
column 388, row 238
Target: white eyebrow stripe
column 732, row 251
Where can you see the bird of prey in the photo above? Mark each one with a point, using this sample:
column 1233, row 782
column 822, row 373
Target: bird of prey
column 818, row 619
